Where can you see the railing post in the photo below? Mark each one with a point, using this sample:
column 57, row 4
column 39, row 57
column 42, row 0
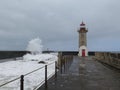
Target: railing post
column 22, row 82
column 55, row 69
column 61, row 61
column 64, row 64
column 45, row 76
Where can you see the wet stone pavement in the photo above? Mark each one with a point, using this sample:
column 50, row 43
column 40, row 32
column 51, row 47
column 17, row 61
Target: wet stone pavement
column 85, row 74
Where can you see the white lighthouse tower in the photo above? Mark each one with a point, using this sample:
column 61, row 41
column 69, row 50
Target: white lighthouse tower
column 83, row 51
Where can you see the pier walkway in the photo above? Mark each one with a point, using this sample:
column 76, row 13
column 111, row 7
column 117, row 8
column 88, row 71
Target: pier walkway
column 85, row 74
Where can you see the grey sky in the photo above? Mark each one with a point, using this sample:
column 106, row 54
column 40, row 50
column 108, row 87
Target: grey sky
column 56, row 23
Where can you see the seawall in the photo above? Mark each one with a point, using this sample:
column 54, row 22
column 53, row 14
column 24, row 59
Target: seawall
column 110, row 58
column 11, row 54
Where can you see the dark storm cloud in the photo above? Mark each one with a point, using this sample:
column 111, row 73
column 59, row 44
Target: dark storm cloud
column 56, row 23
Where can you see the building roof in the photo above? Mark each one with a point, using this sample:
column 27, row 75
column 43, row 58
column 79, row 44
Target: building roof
column 82, row 24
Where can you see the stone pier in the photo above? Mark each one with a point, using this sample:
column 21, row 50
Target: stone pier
column 85, row 74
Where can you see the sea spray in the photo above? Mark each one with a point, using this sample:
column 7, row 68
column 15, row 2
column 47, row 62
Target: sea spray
column 35, row 46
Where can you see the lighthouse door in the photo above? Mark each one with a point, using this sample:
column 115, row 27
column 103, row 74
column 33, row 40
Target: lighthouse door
column 83, row 52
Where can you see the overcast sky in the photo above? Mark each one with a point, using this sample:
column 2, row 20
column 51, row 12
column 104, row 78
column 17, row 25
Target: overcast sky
column 56, row 23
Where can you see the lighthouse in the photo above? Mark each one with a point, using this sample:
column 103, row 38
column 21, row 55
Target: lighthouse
column 83, row 51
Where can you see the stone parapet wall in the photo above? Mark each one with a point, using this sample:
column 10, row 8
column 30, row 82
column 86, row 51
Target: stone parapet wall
column 110, row 58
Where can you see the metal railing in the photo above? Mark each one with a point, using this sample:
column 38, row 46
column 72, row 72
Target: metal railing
column 44, row 81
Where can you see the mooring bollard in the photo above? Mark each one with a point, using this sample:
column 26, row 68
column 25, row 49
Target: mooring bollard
column 45, row 76
column 22, row 82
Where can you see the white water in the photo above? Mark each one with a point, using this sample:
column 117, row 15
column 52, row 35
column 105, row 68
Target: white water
column 13, row 69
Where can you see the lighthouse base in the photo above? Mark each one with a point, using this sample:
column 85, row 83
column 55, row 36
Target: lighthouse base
column 83, row 52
